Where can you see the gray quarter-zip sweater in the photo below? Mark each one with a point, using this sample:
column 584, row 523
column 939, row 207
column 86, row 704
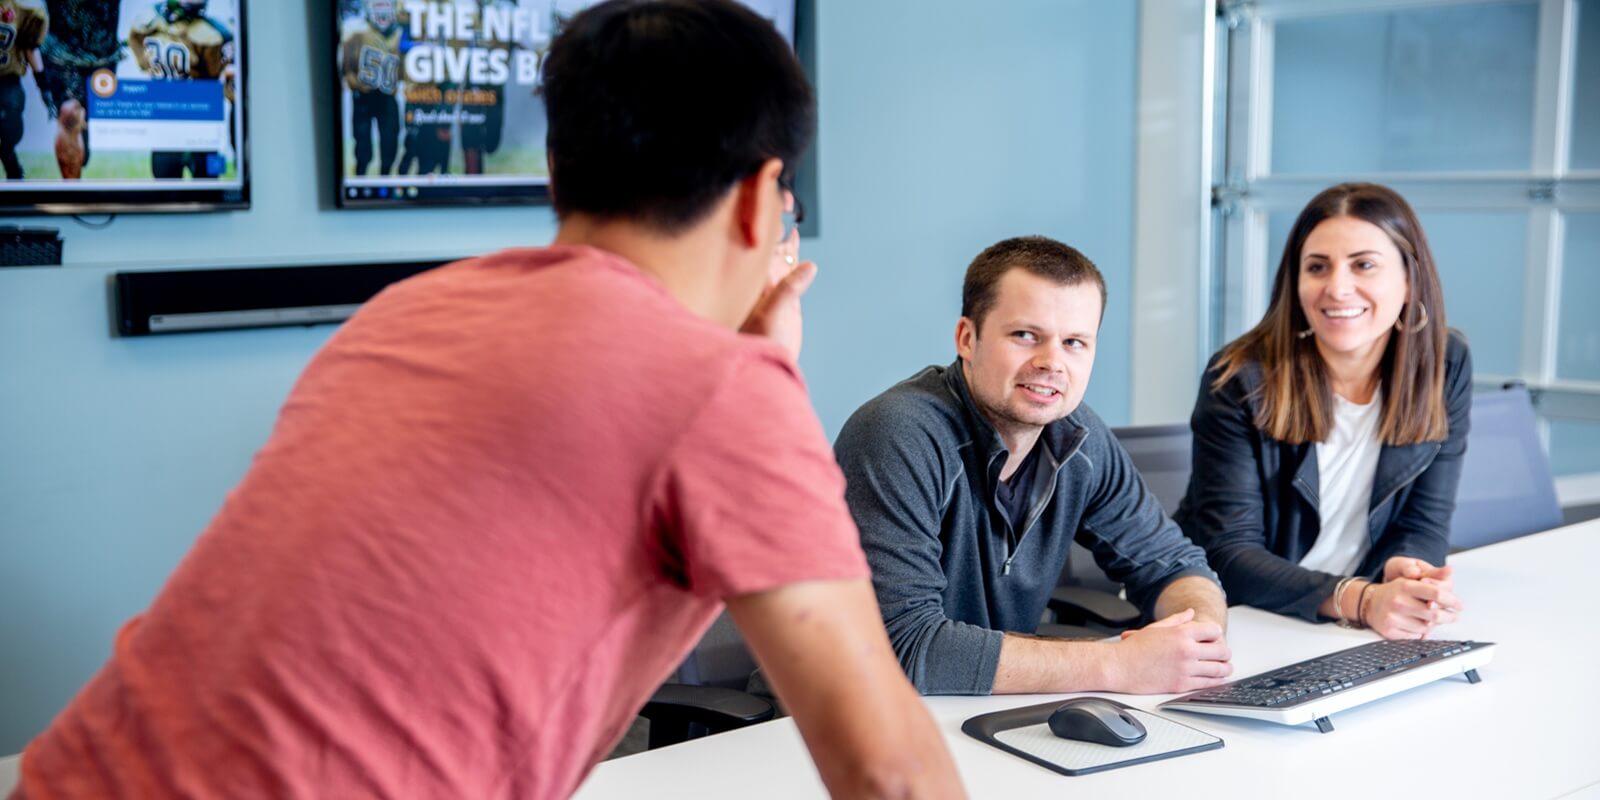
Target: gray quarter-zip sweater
column 952, row 573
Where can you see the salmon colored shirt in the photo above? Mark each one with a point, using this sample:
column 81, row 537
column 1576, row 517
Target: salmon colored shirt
column 496, row 511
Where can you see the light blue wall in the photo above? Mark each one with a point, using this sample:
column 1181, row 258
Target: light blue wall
column 944, row 127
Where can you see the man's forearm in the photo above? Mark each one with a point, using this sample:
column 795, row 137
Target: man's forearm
column 1198, row 593
column 870, row 735
column 1034, row 664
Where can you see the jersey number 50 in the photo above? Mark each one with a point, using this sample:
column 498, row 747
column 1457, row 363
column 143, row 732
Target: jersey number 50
column 378, row 69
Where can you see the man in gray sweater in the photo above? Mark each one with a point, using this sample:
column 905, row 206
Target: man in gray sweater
column 970, row 482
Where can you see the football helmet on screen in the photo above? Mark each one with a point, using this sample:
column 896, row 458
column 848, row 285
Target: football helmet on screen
column 184, row 9
column 381, row 14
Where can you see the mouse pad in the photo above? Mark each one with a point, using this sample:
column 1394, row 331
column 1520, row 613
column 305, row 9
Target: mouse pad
column 1024, row 732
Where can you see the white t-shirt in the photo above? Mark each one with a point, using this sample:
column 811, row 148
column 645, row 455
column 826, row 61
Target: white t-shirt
column 1346, row 463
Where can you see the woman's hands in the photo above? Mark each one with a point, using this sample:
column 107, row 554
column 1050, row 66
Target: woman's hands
column 1413, row 598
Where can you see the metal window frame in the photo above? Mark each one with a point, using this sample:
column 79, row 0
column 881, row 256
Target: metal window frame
column 1172, row 221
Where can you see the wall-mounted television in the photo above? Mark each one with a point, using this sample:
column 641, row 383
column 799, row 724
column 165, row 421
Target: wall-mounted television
column 123, row 106
column 438, row 101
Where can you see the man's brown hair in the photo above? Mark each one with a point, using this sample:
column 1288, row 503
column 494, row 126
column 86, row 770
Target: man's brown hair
column 1039, row 255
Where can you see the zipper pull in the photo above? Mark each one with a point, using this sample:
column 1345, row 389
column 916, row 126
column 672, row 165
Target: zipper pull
column 1005, row 569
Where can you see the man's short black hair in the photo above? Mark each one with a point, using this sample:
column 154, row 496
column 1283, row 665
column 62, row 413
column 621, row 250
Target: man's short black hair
column 1039, row 255
column 658, row 107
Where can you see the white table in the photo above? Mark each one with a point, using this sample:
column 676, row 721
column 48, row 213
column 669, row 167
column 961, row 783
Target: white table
column 1529, row 730
column 10, row 767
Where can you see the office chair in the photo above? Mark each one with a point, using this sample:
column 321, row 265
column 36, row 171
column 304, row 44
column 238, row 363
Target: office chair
column 707, row 695
column 1087, row 603
column 1163, row 454
column 1506, row 488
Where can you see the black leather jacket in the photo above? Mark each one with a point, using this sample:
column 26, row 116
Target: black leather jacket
column 1252, row 500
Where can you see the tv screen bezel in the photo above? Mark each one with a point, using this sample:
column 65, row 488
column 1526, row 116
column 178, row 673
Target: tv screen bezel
column 73, row 202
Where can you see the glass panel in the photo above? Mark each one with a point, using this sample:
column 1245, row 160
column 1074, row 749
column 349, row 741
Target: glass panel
column 1586, row 94
column 1431, row 89
column 1217, row 330
column 1578, row 335
column 1574, row 447
column 1278, row 225
column 1480, row 257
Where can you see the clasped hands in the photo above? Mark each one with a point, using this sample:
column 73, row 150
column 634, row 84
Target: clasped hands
column 1412, row 600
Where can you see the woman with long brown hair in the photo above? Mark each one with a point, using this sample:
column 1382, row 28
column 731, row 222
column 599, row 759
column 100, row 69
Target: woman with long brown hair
column 1328, row 439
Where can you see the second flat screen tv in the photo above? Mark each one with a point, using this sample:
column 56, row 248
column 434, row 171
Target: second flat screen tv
column 123, row 105
column 438, row 101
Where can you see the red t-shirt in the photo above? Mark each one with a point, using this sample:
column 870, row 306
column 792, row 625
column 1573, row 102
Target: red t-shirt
column 495, row 513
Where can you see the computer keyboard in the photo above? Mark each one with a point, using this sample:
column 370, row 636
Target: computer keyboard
column 1311, row 690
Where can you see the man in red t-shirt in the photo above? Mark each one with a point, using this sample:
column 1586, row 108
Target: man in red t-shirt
column 505, row 500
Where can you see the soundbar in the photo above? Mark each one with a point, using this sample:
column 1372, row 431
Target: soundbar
column 180, row 301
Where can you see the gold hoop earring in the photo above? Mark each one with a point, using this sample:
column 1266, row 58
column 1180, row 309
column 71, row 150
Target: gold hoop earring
column 1401, row 327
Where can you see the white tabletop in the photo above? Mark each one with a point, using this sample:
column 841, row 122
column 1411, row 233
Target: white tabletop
column 9, row 767
column 1527, row 731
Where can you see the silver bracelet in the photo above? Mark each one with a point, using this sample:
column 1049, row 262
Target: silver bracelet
column 1338, row 600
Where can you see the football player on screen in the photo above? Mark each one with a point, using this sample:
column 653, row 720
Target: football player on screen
column 82, row 40
column 22, row 30
column 369, row 60
column 483, row 118
column 429, row 112
column 426, row 141
column 181, row 43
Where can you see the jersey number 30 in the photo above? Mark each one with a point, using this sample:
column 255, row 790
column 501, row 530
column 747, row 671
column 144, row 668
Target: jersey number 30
column 8, row 35
column 169, row 61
